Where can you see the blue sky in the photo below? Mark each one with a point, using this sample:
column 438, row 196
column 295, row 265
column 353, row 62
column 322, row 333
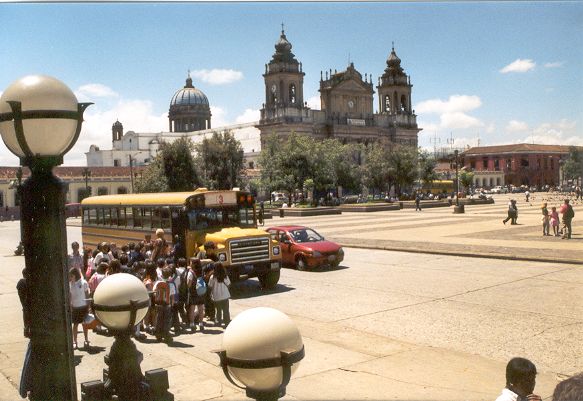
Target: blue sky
column 504, row 72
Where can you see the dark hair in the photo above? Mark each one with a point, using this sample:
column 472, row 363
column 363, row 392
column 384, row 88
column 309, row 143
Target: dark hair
column 123, row 259
column 151, row 270
column 181, row 262
column 220, row 272
column 161, row 262
column 518, row 369
column 95, row 252
column 102, row 267
column 75, row 244
column 114, row 267
column 75, row 273
column 124, row 248
column 166, row 272
column 570, row 389
column 209, row 245
column 132, row 246
column 194, row 262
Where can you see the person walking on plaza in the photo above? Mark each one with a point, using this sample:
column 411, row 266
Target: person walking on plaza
column 219, row 284
column 417, row 202
column 197, row 293
column 568, row 215
column 520, row 381
column 512, row 212
column 545, row 219
column 527, row 195
column 261, row 216
column 79, row 290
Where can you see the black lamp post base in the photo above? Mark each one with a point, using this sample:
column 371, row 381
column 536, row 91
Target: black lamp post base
column 268, row 395
column 123, row 379
column 459, row 209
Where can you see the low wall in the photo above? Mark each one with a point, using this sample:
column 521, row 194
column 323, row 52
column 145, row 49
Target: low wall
column 466, row 201
column 307, row 211
column 426, row 204
column 369, row 208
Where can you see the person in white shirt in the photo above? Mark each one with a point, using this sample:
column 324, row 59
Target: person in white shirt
column 79, row 308
column 219, row 284
column 520, row 381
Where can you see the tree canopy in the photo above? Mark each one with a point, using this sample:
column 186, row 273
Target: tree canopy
column 220, row 160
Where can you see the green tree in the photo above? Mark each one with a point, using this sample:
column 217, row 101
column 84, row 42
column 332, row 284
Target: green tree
column 172, row 170
column 427, row 168
column 269, row 163
column 466, row 179
column 377, row 172
column 403, row 162
column 573, row 166
column 220, row 160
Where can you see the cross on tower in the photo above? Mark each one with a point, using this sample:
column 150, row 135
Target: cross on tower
column 282, row 27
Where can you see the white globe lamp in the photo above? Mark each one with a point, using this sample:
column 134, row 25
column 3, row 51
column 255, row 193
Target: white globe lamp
column 121, row 301
column 261, row 349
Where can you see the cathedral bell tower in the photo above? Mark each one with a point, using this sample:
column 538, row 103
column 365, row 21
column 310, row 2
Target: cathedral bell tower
column 394, row 88
column 116, row 131
column 284, row 80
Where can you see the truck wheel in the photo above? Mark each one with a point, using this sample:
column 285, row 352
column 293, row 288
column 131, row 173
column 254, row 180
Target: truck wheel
column 269, row 280
column 301, row 264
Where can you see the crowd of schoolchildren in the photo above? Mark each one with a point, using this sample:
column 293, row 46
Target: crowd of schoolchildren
column 183, row 292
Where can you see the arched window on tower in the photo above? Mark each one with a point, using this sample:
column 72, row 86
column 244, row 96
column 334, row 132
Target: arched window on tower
column 387, row 103
column 292, row 93
column 404, row 103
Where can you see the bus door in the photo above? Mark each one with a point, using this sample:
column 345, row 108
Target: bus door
column 179, row 227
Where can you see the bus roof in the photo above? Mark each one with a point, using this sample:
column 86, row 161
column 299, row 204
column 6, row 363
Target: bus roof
column 162, row 198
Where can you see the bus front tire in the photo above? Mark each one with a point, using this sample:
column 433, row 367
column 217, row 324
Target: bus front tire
column 269, row 280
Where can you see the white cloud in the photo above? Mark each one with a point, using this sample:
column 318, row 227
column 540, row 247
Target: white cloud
column 516, row 126
column 455, row 103
column 217, row 76
column 555, row 64
column 491, row 128
column 563, row 132
column 519, row 65
column 86, row 92
column 314, row 102
column 452, row 112
column 135, row 115
column 248, row 116
column 218, row 117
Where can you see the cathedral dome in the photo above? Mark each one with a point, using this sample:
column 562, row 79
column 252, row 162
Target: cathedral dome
column 189, row 95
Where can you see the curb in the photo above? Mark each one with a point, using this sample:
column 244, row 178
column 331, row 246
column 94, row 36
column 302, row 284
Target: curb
column 464, row 254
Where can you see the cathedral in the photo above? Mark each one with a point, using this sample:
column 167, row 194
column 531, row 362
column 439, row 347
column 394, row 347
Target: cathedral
column 346, row 99
column 346, row 112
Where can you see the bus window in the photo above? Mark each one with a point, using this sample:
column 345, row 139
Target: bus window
column 246, row 216
column 137, row 214
column 146, row 217
column 85, row 216
column 100, row 216
column 165, row 217
column 92, row 216
column 129, row 217
column 106, row 216
column 114, row 217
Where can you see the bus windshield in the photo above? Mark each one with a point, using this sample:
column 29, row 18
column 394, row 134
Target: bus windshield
column 204, row 218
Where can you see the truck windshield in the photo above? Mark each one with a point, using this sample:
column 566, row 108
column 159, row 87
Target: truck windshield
column 204, row 218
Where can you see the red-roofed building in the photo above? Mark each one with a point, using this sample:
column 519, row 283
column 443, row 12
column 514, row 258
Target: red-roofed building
column 101, row 180
column 520, row 164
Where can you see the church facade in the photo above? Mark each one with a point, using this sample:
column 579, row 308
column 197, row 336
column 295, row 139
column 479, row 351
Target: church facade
column 346, row 98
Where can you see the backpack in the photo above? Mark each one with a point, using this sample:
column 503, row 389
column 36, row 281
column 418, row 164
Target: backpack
column 570, row 212
column 161, row 293
column 183, row 288
column 201, row 286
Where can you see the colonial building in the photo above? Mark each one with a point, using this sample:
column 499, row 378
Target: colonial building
column 79, row 183
column 346, row 100
column 518, row 164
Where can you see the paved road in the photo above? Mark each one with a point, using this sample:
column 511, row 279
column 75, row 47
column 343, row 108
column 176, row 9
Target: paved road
column 384, row 325
column 478, row 232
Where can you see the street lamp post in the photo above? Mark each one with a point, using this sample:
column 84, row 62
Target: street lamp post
column 86, row 175
column 262, row 348
column 40, row 121
column 457, row 208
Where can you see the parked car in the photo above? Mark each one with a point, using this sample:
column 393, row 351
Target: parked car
column 304, row 248
column 499, row 190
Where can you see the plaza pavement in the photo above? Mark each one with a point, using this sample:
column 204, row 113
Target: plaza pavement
column 364, row 356
column 479, row 232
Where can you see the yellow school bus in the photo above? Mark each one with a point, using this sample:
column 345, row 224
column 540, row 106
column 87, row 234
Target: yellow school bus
column 227, row 218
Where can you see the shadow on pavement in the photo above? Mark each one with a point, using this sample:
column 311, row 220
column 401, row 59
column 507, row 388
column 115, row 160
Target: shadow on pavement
column 251, row 289
column 93, row 349
column 77, row 359
column 178, row 344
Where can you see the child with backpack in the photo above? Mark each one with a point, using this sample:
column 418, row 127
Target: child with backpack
column 197, row 293
column 163, row 299
column 219, row 284
column 180, row 282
